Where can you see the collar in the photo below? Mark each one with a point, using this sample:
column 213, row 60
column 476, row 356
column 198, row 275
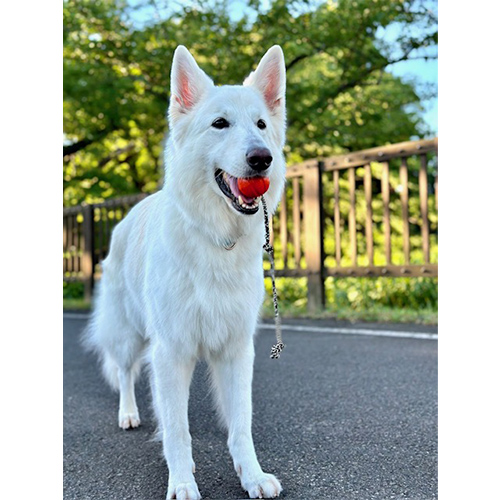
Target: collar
column 229, row 245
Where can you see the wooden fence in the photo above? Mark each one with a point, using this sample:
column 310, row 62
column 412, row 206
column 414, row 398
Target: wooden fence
column 368, row 213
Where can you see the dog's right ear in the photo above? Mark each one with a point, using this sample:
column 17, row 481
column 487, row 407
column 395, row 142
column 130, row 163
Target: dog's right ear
column 188, row 83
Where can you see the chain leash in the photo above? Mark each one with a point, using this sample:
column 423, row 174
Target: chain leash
column 279, row 346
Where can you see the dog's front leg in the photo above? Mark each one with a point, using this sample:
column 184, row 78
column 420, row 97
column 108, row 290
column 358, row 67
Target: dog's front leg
column 233, row 380
column 171, row 381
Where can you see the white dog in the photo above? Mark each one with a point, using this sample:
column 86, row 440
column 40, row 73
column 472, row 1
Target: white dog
column 184, row 277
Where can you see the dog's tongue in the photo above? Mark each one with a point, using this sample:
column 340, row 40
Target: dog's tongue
column 233, row 184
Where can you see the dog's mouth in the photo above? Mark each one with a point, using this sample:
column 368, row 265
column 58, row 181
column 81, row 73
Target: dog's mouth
column 229, row 186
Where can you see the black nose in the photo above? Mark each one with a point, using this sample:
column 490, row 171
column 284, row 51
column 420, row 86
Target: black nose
column 259, row 159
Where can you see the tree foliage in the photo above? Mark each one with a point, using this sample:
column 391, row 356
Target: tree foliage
column 340, row 96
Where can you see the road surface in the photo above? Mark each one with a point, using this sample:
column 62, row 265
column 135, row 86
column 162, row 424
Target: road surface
column 344, row 414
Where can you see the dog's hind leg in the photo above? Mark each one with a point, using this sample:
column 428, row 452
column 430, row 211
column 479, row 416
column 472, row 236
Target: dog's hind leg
column 128, row 413
column 121, row 349
column 121, row 366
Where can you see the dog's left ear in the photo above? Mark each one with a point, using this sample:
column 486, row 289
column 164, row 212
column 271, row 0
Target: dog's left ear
column 270, row 79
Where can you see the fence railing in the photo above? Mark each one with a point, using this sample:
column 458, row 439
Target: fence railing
column 370, row 213
column 86, row 237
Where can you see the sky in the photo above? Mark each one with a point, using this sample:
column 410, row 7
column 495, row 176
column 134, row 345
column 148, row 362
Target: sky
column 425, row 72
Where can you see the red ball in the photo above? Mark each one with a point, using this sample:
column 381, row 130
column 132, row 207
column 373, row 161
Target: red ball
column 253, row 187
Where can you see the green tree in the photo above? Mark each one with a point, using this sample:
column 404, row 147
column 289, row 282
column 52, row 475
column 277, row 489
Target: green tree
column 340, row 95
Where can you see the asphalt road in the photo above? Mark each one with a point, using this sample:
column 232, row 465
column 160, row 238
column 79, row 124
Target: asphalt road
column 337, row 417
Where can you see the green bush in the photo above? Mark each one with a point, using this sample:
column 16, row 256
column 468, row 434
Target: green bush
column 72, row 290
column 373, row 299
column 364, row 293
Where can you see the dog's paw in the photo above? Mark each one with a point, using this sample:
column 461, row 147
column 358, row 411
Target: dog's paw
column 128, row 420
column 264, row 486
column 183, row 491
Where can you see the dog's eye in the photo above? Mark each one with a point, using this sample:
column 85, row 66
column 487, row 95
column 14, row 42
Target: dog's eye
column 220, row 123
column 261, row 124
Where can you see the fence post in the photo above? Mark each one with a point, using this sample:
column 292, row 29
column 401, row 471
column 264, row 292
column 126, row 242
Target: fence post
column 88, row 251
column 313, row 232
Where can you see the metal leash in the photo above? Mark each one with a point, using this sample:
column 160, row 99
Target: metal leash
column 279, row 346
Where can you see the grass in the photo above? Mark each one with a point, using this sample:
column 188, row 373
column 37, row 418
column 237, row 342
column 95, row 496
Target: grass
column 374, row 314
column 389, row 315
column 76, row 305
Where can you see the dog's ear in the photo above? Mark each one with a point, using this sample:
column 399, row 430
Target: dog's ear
column 188, row 83
column 270, row 78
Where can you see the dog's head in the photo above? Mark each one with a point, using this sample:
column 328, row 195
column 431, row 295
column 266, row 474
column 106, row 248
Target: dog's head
column 228, row 137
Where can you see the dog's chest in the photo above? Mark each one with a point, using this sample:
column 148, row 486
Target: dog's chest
column 213, row 296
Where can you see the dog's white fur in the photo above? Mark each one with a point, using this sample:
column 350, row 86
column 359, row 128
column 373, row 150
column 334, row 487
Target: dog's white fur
column 170, row 288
